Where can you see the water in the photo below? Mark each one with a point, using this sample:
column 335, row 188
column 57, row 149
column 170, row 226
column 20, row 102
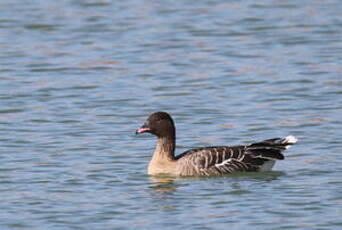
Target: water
column 78, row 77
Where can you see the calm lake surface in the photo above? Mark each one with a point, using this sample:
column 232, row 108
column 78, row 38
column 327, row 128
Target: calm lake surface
column 77, row 78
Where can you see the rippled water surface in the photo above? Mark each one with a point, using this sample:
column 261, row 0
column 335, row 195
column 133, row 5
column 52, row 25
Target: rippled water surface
column 78, row 77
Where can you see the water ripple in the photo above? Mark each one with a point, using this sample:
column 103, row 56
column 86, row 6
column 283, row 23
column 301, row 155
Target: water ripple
column 78, row 77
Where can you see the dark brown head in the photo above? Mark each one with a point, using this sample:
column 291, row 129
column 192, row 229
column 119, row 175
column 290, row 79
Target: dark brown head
column 159, row 124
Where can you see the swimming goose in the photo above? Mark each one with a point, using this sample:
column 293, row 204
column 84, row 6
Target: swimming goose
column 208, row 161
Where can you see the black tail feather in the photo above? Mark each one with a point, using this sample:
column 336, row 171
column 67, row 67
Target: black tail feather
column 272, row 154
column 271, row 149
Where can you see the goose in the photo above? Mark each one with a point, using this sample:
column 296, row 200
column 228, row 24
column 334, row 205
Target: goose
column 208, row 161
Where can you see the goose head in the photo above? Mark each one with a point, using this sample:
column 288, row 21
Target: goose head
column 159, row 124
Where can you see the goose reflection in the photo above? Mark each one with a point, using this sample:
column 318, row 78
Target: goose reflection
column 163, row 183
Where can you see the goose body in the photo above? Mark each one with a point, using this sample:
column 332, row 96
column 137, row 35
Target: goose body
column 209, row 161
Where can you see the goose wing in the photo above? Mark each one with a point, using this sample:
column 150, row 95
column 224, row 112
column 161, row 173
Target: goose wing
column 220, row 160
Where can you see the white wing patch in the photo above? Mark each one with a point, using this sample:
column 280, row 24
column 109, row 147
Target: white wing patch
column 289, row 140
column 223, row 163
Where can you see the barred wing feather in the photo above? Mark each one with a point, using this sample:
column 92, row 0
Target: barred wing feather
column 224, row 159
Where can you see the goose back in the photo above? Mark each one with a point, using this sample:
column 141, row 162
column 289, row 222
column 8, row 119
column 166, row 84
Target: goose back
column 219, row 160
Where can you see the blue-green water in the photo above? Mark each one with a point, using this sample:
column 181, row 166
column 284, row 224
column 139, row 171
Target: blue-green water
column 78, row 77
